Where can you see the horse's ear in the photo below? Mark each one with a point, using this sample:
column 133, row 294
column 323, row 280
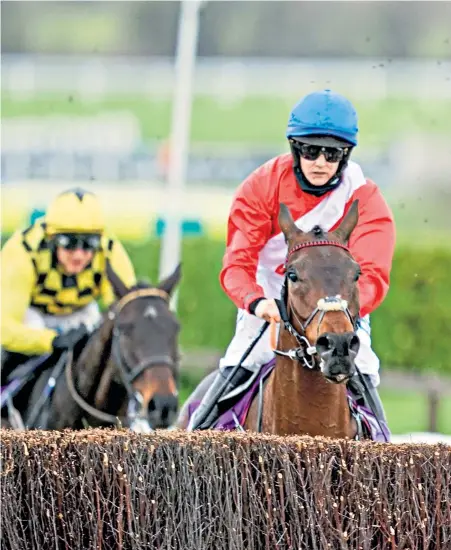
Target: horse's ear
column 119, row 287
column 344, row 230
column 286, row 223
column 172, row 281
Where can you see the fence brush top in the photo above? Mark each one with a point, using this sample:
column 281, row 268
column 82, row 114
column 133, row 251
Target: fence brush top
column 212, row 439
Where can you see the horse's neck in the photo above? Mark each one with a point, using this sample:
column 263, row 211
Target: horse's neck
column 92, row 361
column 301, row 401
column 86, row 372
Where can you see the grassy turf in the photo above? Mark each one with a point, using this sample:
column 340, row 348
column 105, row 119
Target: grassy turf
column 408, row 412
column 252, row 119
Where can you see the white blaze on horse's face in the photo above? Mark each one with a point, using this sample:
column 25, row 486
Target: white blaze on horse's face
column 151, row 312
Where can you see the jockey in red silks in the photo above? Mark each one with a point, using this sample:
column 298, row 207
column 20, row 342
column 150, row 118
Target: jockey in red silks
column 318, row 182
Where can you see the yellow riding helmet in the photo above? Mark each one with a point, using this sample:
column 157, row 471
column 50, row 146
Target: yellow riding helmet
column 75, row 211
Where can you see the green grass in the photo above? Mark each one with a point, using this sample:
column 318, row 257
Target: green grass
column 408, row 412
column 253, row 119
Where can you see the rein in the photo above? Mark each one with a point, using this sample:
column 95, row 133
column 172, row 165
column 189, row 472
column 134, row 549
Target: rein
column 82, row 403
column 127, row 374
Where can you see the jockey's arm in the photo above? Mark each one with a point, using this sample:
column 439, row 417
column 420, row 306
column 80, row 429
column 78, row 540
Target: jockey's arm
column 248, row 230
column 372, row 244
column 123, row 267
column 17, row 283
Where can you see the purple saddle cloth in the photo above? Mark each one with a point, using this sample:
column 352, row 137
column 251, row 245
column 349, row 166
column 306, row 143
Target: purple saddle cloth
column 235, row 417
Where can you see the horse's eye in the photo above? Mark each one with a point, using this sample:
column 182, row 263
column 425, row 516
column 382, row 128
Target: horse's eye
column 292, row 275
column 357, row 275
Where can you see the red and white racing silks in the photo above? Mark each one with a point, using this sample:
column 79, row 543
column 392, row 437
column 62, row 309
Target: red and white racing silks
column 256, row 248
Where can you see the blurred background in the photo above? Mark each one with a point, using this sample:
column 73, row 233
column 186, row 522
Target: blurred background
column 87, row 96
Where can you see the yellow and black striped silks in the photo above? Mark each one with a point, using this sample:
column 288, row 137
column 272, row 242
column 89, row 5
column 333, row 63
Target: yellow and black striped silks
column 32, row 277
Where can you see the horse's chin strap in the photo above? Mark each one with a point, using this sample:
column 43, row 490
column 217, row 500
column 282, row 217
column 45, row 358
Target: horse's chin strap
column 305, row 353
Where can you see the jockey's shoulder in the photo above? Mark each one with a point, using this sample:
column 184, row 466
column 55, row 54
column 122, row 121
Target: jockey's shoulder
column 109, row 240
column 31, row 234
column 13, row 241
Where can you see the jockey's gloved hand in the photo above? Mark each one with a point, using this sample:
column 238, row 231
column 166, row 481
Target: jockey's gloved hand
column 267, row 310
column 70, row 339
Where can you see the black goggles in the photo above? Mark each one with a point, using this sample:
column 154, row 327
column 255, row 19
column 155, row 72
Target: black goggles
column 74, row 241
column 312, row 152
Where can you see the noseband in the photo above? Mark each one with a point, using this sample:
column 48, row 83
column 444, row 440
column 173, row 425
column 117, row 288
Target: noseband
column 305, row 353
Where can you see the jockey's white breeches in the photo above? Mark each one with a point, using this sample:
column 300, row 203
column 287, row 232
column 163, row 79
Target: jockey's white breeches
column 247, row 327
column 89, row 315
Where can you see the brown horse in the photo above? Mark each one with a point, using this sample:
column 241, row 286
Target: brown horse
column 128, row 369
column 317, row 344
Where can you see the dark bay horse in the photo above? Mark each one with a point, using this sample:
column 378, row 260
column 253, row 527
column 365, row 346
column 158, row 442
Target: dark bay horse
column 127, row 369
column 317, row 343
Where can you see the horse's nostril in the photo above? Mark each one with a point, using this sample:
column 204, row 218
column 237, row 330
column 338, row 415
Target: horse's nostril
column 338, row 345
column 165, row 413
column 354, row 344
column 323, row 344
column 164, row 405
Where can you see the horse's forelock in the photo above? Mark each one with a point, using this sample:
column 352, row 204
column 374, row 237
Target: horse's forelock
column 141, row 285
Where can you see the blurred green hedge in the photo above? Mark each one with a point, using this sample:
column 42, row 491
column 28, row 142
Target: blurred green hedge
column 412, row 328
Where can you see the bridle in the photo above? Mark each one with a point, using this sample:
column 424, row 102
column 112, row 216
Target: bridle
column 305, row 353
column 127, row 374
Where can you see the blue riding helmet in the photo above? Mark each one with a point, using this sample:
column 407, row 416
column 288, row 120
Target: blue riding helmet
column 324, row 113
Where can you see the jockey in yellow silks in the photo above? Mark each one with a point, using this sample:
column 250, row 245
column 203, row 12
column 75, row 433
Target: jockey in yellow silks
column 53, row 273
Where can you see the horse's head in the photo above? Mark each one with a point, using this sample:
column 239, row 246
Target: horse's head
column 321, row 294
column 144, row 349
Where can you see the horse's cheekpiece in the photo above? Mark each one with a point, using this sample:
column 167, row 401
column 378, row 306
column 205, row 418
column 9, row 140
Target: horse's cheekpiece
column 305, row 352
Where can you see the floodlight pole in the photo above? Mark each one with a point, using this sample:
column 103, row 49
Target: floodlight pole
column 185, row 60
